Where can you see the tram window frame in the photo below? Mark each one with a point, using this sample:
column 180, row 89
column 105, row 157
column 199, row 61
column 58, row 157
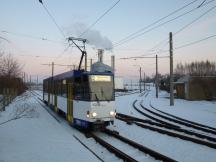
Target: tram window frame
column 77, row 88
column 64, row 89
column 86, row 88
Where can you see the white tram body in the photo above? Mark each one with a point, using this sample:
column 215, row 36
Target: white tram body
column 85, row 98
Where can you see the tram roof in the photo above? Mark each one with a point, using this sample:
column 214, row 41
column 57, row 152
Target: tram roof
column 76, row 73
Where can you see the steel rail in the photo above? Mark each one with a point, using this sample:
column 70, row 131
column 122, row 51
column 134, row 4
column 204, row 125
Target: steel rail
column 130, row 120
column 185, row 120
column 153, row 118
column 142, row 148
column 173, row 134
column 112, row 149
column 179, row 122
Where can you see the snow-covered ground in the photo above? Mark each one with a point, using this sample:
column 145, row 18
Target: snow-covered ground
column 37, row 136
column 199, row 111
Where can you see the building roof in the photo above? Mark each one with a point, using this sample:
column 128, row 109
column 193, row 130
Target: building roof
column 183, row 79
column 186, row 78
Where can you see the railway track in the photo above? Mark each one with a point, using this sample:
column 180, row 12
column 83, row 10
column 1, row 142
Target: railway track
column 126, row 94
column 204, row 129
column 130, row 119
column 184, row 120
column 146, row 151
column 120, row 154
column 188, row 135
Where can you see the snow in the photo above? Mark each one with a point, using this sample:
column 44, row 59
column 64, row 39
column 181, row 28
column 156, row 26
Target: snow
column 40, row 137
column 203, row 112
column 198, row 111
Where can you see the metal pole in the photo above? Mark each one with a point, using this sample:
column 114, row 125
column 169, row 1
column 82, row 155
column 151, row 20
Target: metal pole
column 144, row 80
column 52, row 91
column 113, row 63
column 90, row 64
column 24, row 77
column 85, row 61
column 156, row 77
column 171, row 70
column 52, row 69
column 140, row 70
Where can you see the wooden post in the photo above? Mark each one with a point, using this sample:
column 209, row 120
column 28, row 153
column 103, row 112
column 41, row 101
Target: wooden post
column 140, row 71
column 90, row 64
column 113, row 63
column 86, row 61
column 171, row 70
column 156, row 77
column 144, row 81
column 52, row 85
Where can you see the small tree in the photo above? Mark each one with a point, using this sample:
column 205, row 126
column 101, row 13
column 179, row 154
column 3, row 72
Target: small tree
column 10, row 67
column 10, row 74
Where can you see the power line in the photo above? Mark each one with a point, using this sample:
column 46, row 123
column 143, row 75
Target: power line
column 155, row 22
column 52, row 18
column 191, row 43
column 61, row 54
column 98, row 19
column 195, row 42
column 37, row 56
column 176, row 48
column 201, row 4
column 165, row 41
column 161, row 24
column 4, row 39
column 142, row 57
column 29, row 36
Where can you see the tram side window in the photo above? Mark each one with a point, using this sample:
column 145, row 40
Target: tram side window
column 85, row 87
column 77, row 88
column 58, row 88
column 64, row 90
column 81, row 88
column 45, row 86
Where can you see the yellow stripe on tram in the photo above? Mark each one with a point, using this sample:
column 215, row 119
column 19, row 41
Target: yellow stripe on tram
column 70, row 104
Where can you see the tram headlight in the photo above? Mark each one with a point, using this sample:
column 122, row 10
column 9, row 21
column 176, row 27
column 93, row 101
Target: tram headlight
column 94, row 114
column 112, row 113
column 87, row 114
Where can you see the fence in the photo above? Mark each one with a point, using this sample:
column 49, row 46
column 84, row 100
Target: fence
column 8, row 95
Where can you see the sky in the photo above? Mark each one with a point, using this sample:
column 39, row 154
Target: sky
column 26, row 22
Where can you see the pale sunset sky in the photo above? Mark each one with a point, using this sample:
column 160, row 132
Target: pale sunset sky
column 25, row 22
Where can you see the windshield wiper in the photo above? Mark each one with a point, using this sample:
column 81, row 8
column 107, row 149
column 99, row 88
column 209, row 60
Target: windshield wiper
column 102, row 92
column 97, row 98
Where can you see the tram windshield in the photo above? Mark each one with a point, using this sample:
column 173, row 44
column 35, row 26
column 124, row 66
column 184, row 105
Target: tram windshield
column 94, row 88
column 101, row 88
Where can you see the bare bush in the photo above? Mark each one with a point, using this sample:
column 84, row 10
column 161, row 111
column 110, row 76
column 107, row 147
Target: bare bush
column 22, row 110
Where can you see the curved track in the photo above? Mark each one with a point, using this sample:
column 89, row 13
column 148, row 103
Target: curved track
column 204, row 129
column 201, row 139
column 184, row 120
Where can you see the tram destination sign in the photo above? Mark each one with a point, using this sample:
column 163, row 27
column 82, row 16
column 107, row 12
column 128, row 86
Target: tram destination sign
column 100, row 78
